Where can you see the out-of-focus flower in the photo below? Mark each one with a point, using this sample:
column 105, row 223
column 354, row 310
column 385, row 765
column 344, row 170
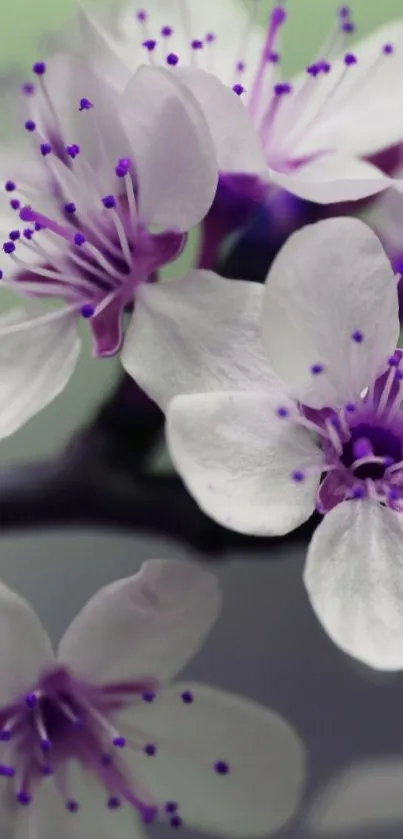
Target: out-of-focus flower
column 264, row 431
column 316, row 130
column 95, row 741
column 81, row 215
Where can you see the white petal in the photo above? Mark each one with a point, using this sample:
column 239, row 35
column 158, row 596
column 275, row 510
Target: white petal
column 114, row 61
column 37, row 358
column 365, row 796
column 330, row 281
column 264, row 754
column 239, row 148
column 150, row 624
column 237, row 457
column 354, row 578
column 173, row 150
column 198, row 333
column 25, row 648
column 366, row 116
column 332, row 177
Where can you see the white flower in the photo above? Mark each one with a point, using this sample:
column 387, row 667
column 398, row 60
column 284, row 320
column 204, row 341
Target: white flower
column 264, row 431
column 94, row 741
column 315, row 130
column 104, row 198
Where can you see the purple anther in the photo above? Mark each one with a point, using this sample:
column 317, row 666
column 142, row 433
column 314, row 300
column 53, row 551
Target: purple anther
column 119, row 742
column 344, row 12
column 28, row 88
column 240, row 66
column 87, row 311
column 238, row 89
column 350, row 59
column 113, row 802
column 175, row 821
column 1, row 274
column 196, row 44
column 148, row 696
column 45, row 149
column 282, row 412
column 79, row 239
column 15, row 204
column 358, row 493
column 357, row 336
column 14, row 235
column 73, row 150
column 282, row 88
column 278, row 16
column 28, row 233
column 150, row 44
column 142, row 15
column 39, row 68
column 317, row 369
column 172, row 59
column 7, row 771
column 325, row 66
column 166, row 31
column 150, row 749
column 123, row 167
column 10, row 186
column 313, row 70
column 8, row 247
column 45, row 745
column 109, row 201
column 388, row 49
column 221, row 767
column 273, row 57
column 210, row 38
column 348, row 27
column 30, row 125
column 23, row 797
column 38, row 226
column 72, row 806
column 85, row 104
column 171, row 807
column 298, row 476
column 70, row 208
column 47, row 770
column 187, row 697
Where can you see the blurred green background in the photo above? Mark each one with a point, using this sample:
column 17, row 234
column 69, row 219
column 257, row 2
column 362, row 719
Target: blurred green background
column 23, row 24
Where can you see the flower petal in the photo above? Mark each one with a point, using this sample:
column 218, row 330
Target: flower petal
column 330, row 282
column 332, row 177
column 174, row 153
column 147, row 625
column 25, row 648
column 37, row 357
column 238, row 145
column 198, row 333
column 237, row 457
column 354, row 580
column 264, row 755
column 365, row 796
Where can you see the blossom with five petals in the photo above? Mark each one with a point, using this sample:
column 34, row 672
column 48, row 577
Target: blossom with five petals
column 95, row 740
column 287, row 398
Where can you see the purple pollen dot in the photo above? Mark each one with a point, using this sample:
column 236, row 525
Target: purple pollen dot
column 28, row 233
column 210, row 38
column 313, row 70
column 282, row 412
column 123, row 167
column 38, row 226
column 149, row 814
column 357, row 336
column 73, row 150
column 175, row 821
column 325, row 66
column 394, row 360
column 31, row 700
column 187, row 697
column 6, row 771
column 350, row 59
column 348, row 27
column 221, row 767
column 282, row 88
column 317, row 369
column 85, row 104
column 238, row 89
column 344, row 11
column 8, row 247
column 72, row 806
column 45, row 149
column 23, row 797
column 15, row 204
column 150, row 749
column 46, row 745
column 10, row 186
column 109, row 201
column 278, row 16
column 28, row 88
column 142, row 15
column 47, row 770
column 79, row 239
column 14, row 235
column 113, row 802
column 171, row 807
column 399, row 374
column 119, row 742
column 166, row 31
column 70, row 208
column 39, row 68
column 298, row 476
column 149, row 696
column 30, row 125
column 358, row 493
column 388, row 49
column 273, row 57
column 1, row 275
column 150, row 44
column 394, row 494
column 196, row 44
column 240, row 66
column 350, row 407
column 172, row 59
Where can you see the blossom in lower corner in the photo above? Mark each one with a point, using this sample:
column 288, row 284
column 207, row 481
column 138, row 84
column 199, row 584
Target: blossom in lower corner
column 98, row 202
column 286, row 399
column 318, row 131
column 95, row 740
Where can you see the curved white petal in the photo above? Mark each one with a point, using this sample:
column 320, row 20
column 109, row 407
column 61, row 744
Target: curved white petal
column 331, row 281
column 332, row 177
column 195, row 334
column 354, row 578
column 237, row 457
column 366, row 116
column 110, row 58
column 150, row 624
column 365, row 796
column 37, row 357
column 238, row 145
column 264, row 754
column 25, row 648
column 173, row 151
